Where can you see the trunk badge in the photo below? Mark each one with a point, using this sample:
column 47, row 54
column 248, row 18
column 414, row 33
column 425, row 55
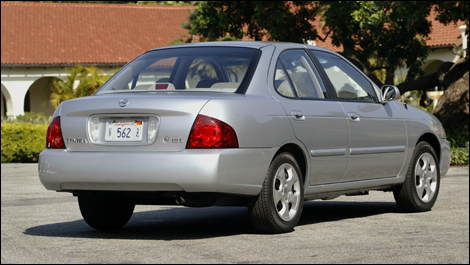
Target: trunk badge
column 123, row 103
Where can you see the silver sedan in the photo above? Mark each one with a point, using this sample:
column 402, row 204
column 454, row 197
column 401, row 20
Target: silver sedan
column 267, row 125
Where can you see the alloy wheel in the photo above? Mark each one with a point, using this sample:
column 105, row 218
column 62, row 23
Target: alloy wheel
column 425, row 177
column 286, row 192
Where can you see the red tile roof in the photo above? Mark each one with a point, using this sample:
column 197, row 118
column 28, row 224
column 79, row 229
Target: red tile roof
column 35, row 33
column 444, row 35
column 42, row 34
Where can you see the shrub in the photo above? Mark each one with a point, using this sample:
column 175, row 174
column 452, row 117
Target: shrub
column 459, row 147
column 457, row 139
column 459, row 156
column 22, row 142
column 30, row 117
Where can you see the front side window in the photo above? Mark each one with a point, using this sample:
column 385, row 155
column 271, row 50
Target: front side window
column 298, row 75
column 348, row 83
column 213, row 69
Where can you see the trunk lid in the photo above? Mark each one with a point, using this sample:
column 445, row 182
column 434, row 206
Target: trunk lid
column 87, row 123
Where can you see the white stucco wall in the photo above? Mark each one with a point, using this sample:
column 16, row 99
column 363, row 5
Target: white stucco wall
column 464, row 37
column 17, row 81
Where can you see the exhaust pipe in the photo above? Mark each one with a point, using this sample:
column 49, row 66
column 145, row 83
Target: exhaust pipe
column 198, row 200
column 206, row 200
column 180, row 200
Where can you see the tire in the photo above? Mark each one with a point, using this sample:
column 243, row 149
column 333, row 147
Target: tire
column 422, row 182
column 104, row 213
column 278, row 207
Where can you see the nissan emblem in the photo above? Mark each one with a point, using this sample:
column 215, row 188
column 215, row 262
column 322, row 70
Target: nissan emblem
column 123, row 102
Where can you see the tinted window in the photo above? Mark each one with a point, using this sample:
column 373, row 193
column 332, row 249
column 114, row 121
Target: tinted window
column 347, row 81
column 281, row 82
column 302, row 76
column 214, row 69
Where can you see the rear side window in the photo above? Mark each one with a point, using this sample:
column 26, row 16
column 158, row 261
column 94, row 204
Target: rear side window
column 281, row 82
column 297, row 77
column 213, row 69
column 348, row 83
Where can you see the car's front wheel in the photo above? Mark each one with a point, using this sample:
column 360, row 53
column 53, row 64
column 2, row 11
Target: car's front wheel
column 105, row 213
column 278, row 207
column 421, row 187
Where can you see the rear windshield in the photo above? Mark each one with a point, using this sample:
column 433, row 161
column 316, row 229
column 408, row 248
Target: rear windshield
column 213, row 69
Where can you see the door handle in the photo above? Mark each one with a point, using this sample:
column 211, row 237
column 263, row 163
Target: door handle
column 354, row 117
column 298, row 116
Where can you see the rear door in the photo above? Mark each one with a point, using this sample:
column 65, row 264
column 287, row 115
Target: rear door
column 377, row 131
column 318, row 122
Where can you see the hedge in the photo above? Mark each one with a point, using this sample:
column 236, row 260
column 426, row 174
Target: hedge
column 22, row 142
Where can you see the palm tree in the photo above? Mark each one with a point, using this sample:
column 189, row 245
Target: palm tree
column 63, row 89
column 90, row 80
column 81, row 81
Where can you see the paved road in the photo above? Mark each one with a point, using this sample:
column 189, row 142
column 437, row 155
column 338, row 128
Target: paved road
column 40, row 226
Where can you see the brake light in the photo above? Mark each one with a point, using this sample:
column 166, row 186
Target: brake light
column 54, row 135
column 208, row 132
column 161, row 86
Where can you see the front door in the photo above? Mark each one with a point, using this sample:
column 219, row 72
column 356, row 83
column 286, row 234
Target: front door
column 377, row 140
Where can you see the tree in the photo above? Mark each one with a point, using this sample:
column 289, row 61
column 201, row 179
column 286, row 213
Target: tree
column 365, row 29
column 453, row 107
column 273, row 20
column 62, row 90
column 392, row 33
column 81, row 81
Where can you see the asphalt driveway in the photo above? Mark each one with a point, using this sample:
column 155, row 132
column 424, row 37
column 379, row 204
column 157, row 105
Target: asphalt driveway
column 40, row 226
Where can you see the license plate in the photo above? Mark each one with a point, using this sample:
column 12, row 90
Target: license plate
column 124, row 130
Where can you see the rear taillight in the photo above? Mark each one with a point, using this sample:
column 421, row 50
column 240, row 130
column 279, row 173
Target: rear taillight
column 208, row 132
column 54, row 135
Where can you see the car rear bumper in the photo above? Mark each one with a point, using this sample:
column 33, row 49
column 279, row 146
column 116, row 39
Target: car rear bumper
column 234, row 171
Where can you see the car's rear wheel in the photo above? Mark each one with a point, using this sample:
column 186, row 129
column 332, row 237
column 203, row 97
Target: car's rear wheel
column 105, row 213
column 278, row 207
column 421, row 187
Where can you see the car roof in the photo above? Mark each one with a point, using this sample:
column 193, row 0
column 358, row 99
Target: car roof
column 246, row 44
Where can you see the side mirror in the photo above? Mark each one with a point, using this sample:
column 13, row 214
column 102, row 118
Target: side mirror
column 390, row 93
